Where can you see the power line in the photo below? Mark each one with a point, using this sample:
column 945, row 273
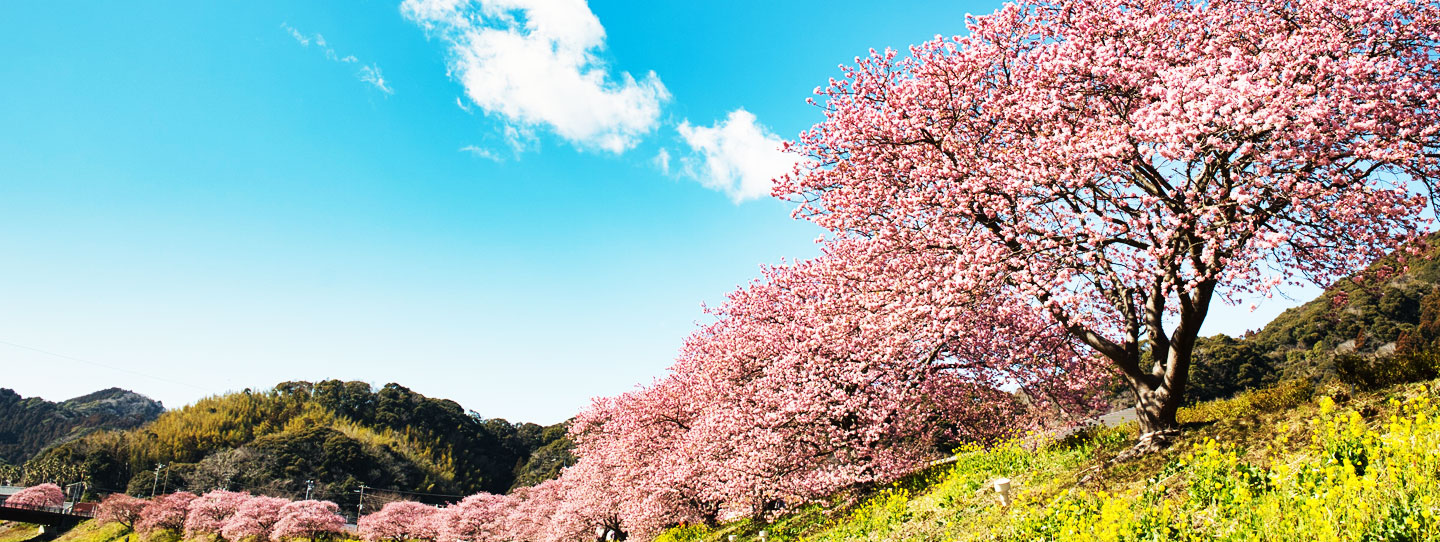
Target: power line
column 111, row 367
column 382, row 490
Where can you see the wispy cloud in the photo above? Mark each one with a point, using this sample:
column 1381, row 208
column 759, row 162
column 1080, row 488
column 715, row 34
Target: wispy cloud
column 662, row 161
column 369, row 73
column 536, row 63
column 481, row 152
column 737, row 156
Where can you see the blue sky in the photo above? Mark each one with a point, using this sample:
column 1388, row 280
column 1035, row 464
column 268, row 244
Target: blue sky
column 516, row 204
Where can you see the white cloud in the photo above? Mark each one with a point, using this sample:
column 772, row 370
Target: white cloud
column 520, row 138
column 370, row 74
column 481, row 152
column 737, row 156
column 662, row 160
column 535, row 63
column 302, row 38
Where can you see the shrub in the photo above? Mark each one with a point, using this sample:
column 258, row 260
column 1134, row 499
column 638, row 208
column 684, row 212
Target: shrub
column 684, row 533
column 1217, row 477
column 1373, row 372
column 1282, row 396
column 1406, row 519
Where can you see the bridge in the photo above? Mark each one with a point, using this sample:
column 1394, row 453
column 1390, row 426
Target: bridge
column 53, row 518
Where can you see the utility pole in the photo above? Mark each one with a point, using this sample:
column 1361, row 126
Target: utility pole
column 360, row 510
column 156, row 481
column 75, row 492
column 309, row 486
column 165, row 486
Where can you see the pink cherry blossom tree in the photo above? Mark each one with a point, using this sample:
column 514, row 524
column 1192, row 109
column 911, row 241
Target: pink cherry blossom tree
column 593, row 494
column 638, row 438
column 165, row 513
column 38, row 496
column 533, row 513
column 847, row 369
column 254, row 519
column 479, row 517
column 1122, row 164
column 121, row 508
column 401, row 520
column 311, row 520
column 208, row 513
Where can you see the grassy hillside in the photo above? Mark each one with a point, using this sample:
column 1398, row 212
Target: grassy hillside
column 88, row 531
column 1286, row 463
column 338, row 434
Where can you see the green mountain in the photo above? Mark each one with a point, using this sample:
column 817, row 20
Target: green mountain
column 1377, row 327
column 338, row 435
column 29, row 425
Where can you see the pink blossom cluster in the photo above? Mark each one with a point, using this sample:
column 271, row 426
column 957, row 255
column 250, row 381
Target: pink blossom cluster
column 166, row 513
column 207, row 514
column 310, row 520
column 38, row 496
column 402, row 520
column 121, row 508
column 224, row 515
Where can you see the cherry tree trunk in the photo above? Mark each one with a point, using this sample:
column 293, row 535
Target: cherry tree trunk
column 1155, row 407
column 1160, row 390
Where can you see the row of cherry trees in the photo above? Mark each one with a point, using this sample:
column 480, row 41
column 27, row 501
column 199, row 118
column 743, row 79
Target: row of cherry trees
column 850, row 369
column 227, row 515
column 810, row 380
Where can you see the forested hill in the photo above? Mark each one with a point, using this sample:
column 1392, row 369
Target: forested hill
column 1362, row 328
column 338, row 434
column 29, row 425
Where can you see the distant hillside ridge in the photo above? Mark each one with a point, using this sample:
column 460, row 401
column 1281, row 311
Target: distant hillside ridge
column 30, row 425
column 1371, row 321
column 337, row 435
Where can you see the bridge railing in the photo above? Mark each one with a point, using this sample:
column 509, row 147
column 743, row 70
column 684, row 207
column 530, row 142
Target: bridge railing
column 65, row 510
